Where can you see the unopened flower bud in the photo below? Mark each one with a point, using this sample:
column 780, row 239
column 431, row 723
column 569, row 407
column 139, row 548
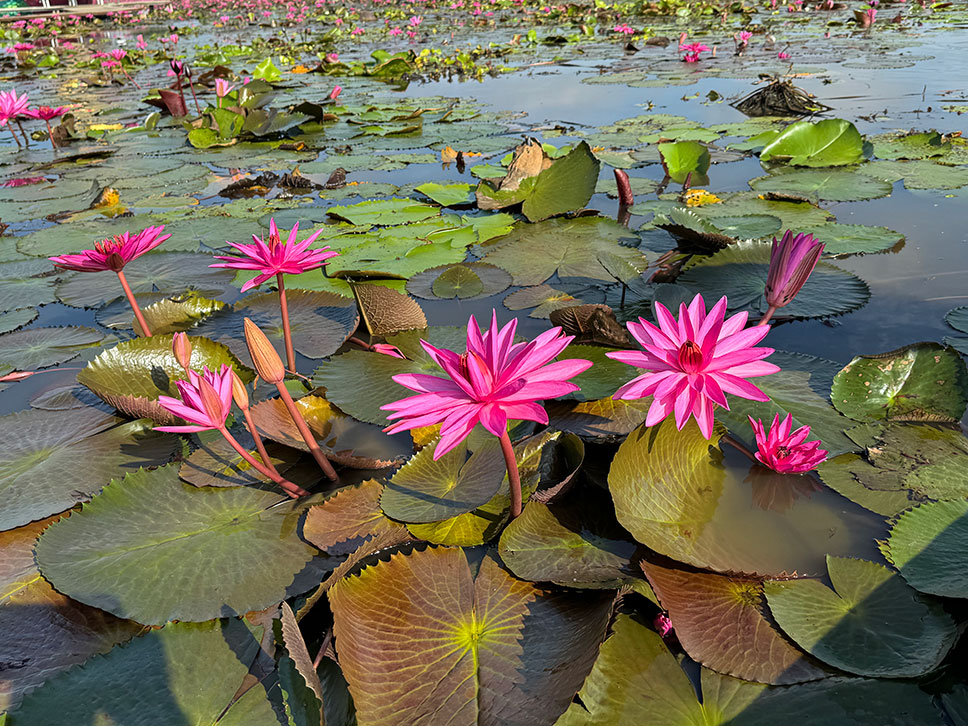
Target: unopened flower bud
column 211, row 401
column 16, row 376
column 239, row 394
column 181, row 346
column 267, row 362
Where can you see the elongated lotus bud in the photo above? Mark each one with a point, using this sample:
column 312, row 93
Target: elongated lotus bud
column 211, row 401
column 181, row 346
column 625, row 196
column 267, row 362
column 239, row 394
column 792, row 259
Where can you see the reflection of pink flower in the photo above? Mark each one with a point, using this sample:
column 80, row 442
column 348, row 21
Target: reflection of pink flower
column 693, row 362
column 785, row 452
column 273, row 257
column 113, row 254
column 206, row 401
column 495, row 380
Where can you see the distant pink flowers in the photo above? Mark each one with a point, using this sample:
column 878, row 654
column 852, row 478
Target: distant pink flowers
column 785, row 452
column 414, row 21
column 206, row 401
column 692, row 52
column 273, row 257
column 45, row 113
column 494, row 381
column 624, row 29
column 693, row 362
column 113, row 254
column 783, row 55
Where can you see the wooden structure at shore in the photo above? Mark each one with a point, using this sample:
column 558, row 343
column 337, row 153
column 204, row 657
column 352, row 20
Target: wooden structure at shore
column 46, row 10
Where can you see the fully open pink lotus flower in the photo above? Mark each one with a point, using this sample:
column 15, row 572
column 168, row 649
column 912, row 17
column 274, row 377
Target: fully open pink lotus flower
column 692, row 51
column 113, row 254
column 11, row 106
column 45, row 113
column 272, row 256
column 693, row 362
column 495, row 380
column 198, row 406
column 785, row 452
column 792, row 259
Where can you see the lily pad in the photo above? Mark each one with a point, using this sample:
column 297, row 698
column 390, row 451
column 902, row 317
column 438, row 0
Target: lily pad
column 831, row 142
column 475, row 641
column 605, row 420
column 740, row 273
column 928, row 545
column 920, row 145
column 448, row 195
column 16, row 319
column 956, row 318
column 850, row 239
column 131, row 375
column 682, row 159
column 349, row 518
column 920, row 382
column 871, row 623
column 461, row 281
column 220, row 550
column 677, row 494
column 34, row 348
column 834, row 185
column 385, row 211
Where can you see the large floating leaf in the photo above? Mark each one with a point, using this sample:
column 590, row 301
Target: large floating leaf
column 44, row 347
column 740, row 272
column 169, row 272
column 957, row 318
column 920, row 145
column 792, row 214
column 831, row 142
column 51, row 460
column 568, row 247
column 603, row 420
column 219, row 550
column 676, row 493
column 849, row 239
column 920, row 382
column 636, row 681
column 834, row 185
column 163, row 668
column 343, row 439
column 462, row 281
column 216, row 464
column 461, row 648
column 447, row 195
column 929, row 546
column 574, row 545
column 134, row 373
column 44, row 632
column 720, row 623
column 349, row 518
column 385, row 211
column 25, row 292
column 424, row 490
column 842, row 474
column 871, row 623
column 320, row 323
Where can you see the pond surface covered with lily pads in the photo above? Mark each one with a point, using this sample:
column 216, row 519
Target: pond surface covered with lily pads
column 461, row 158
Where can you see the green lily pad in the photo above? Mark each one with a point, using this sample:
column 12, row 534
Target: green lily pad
column 679, row 495
column 385, row 211
column 604, row 377
column 16, row 319
column 605, row 420
column 461, row 281
column 740, row 273
column 928, row 545
column 926, row 174
column 871, row 623
column 34, row 348
column 25, row 292
column 920, row 382
column 131, row 375
column 835, row 185
column 476, row 637
column 448, row 195
column 850, row 239
column 956, row 318
column 792, row 214
column 44, row 631
column 170, row 314
column 843, row 474
column 719, row 621
column 640, row 184
column 320, row 323
column 920, row 145
column 424, row 490
column 220, row 549
column 92, row 445
column 636, row 680
column 682, row 159
column 748, row 226
column 164, row 664
column 566, row 247
column 831, row 142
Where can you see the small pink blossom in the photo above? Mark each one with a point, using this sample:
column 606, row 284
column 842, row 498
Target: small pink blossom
column 113, row 254
column 662, row 624
column 142, row 45
column 785, row 452
column 206, row 401
column 395, row 31
column 783, row 55
column 334, row 94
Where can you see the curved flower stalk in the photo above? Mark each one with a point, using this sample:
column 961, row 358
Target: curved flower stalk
column 269, row 366
column 113, row 254
column 274, row 258
column 45, row 114
column 785, row 452
column 12, row 107
column 494, row 381
column 206, row 401
column 792, row 259
column 693, row 362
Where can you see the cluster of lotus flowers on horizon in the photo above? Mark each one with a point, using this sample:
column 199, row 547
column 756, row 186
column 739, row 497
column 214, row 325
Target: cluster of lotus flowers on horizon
column 691, row 361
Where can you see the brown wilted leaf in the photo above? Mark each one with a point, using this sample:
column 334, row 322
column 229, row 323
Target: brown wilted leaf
column 593, row 324
column 387, row 311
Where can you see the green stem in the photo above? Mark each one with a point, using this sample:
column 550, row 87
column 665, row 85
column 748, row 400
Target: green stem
column 514, row 477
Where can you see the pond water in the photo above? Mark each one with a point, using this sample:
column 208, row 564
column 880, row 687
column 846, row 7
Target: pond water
column 720, row 540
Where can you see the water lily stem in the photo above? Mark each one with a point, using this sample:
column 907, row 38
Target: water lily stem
column 727, row 439
column 514, row 477
column 307, row 435
column 26, row 138
column 286, row 331
column 768, row 315
column 191, row 87
column 14, row 134
column 259, row 445
column 291, row 489
column 362, row 343
column 125, row 72
column 50, row 135
column 134, row 304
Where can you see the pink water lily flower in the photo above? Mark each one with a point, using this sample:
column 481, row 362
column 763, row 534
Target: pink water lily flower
column 693, row 362
column 792, row 259
column 202, row 410
column 45, row 113
column 273, row 257
column 785, row 452
column 223, row 87
column 495, row 380
column 12, row 106
column 692, row 51
column 113, row 254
